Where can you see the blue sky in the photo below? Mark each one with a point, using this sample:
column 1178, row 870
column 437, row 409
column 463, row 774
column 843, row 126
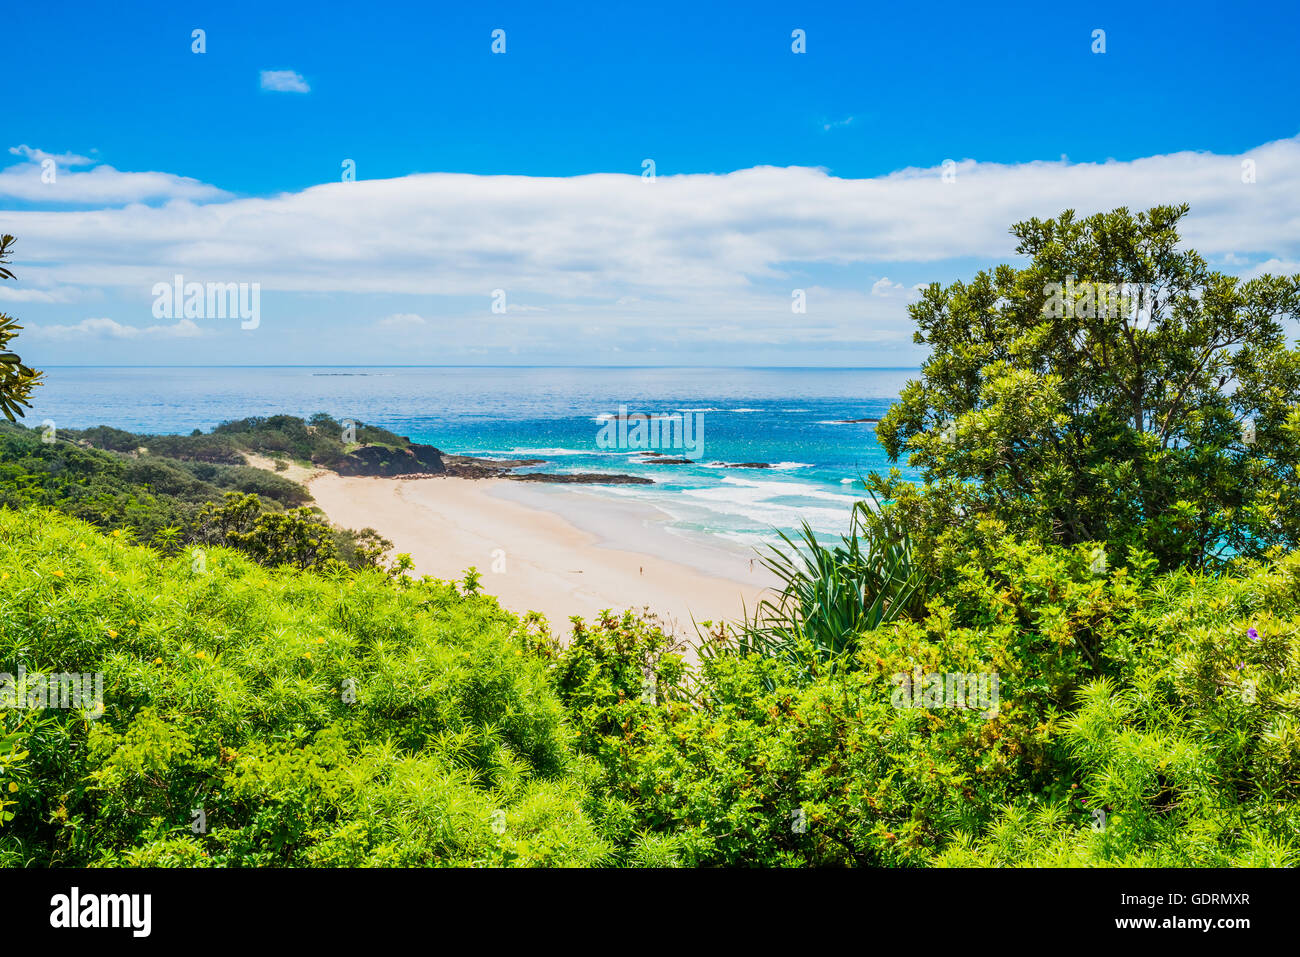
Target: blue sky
column 245, row 180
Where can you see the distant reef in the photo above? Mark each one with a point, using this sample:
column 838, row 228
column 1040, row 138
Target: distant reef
column 662, row 458
column 420, row 461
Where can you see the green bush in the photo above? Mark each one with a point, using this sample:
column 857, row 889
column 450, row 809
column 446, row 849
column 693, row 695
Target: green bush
column 1125, row 732
column 225, row 689
column 168, row 502
column 343, row 718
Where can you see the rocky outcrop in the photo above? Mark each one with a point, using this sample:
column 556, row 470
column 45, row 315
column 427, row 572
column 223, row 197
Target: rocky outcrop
column 388, row 462
column 584, row 478
column 468, row 466
column 423, row 461
column 660, row 460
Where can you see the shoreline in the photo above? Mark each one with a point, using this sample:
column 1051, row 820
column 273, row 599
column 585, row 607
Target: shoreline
column 550, row 550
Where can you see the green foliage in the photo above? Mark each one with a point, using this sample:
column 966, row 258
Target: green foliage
column 170, row 503
column 831, row 597
column 1083, row 423
column 16, row 379
column 318, row 441
column 1122, row 693
column 322, row 440
column 349, row 719
column 339, row 719
column 296, row 537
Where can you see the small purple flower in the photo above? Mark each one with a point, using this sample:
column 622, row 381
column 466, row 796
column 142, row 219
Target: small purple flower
column 1239, row 667
column 1254, row 635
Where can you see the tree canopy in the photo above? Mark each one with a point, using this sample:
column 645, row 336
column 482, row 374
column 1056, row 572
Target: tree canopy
column 1114, row 390
column 16, row 379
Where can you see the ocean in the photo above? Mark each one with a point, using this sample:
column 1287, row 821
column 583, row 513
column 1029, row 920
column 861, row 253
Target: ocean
column 787, row 418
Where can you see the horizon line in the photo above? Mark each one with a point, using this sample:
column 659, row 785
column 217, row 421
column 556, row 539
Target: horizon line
column 475, row 366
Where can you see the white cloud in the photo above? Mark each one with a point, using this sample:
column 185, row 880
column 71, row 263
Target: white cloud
column 659, row 260
column 284, row 81
column 39, row 156
column 612, row 235
column 10, row 293
column 111, row 329
column 102, row 185
column 1275, row 267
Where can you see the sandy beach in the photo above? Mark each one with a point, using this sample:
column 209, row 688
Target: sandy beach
column 534, row 557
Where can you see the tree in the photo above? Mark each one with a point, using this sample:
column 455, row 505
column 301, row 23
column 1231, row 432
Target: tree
column 299, row 537
column 1116, row 390
column 16, row 379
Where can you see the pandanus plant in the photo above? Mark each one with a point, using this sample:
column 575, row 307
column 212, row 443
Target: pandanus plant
column 833, row 595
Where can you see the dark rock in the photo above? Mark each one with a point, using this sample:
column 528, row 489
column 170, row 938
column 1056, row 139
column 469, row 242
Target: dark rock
column 425, row 461
column 468, row 466
column 387, row 462
column 584, row 478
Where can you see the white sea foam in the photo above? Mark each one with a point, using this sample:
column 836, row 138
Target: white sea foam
column 799, row 489
column 780, row 504
column 744, row 511
column 548, row 451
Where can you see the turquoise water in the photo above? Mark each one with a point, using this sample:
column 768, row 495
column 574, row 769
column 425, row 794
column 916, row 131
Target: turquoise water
column 783, row 417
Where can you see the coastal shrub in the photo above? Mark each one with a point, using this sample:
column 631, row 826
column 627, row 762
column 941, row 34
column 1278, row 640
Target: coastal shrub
column 265, row 485
column 273, row 717
column 1136, row 720
column 321, row 440
column 169, row 502
column 89, row 484
column 312, row 719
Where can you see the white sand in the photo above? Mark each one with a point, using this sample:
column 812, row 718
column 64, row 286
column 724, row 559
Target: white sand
column 542, row 561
